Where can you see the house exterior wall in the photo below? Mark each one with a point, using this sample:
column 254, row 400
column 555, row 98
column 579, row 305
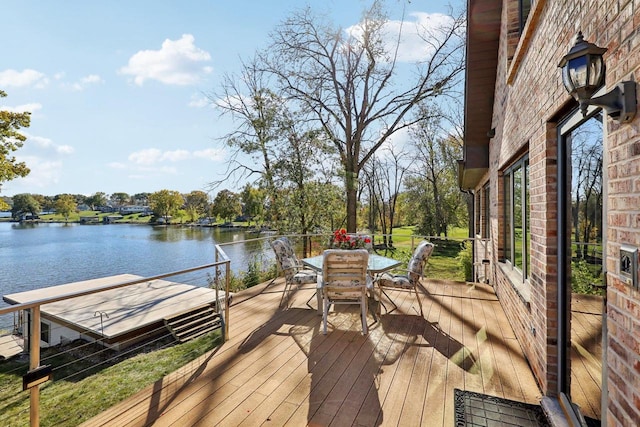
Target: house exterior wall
column 529, row 102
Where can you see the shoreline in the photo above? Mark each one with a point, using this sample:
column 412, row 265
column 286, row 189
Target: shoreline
column 153, row 224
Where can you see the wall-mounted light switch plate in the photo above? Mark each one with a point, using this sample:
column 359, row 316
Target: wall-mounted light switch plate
column 629, row 265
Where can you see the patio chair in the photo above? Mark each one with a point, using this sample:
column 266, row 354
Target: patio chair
column 410, row 279
column 344, row 281
column 294, row 272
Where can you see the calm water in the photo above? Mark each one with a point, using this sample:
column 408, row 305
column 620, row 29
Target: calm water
column 40, row 255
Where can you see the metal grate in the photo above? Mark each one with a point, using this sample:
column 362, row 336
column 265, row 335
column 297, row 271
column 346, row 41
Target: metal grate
column 476, row 409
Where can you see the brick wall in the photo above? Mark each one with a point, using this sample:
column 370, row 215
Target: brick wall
column 621, row 35
column 526, row 112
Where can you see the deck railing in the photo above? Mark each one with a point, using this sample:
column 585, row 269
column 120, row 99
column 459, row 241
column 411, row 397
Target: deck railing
column 218, row 274
column 40, row 372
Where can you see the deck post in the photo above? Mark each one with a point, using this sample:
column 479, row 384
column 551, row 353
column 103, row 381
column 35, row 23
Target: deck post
column 226, row 305
column 34, row 362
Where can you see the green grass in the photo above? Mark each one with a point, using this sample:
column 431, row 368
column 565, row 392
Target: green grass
column 443, row 263
column 75, row 217
column 82, row 388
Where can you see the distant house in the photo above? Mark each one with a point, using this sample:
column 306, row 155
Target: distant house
column 128, row 210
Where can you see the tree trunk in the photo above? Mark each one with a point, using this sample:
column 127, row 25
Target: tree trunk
column 351, row 179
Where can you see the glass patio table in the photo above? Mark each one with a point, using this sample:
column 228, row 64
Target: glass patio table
column 377, row 263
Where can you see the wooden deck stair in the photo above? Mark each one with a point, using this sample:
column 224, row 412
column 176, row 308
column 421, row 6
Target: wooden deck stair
column 193, row 323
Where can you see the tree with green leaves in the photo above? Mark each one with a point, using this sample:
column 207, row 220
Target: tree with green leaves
column 165, row 203
column 10, row 141
column 141, row 199
column 24, row 204
column 249, row 98
column 196, row 204
column 120, row 198
column 66, row 205
column 96, row 200
column 227, row 205
column 433, row 180
column 4, row 206
column 300, row 159
column 252, row 202
column 286, row 153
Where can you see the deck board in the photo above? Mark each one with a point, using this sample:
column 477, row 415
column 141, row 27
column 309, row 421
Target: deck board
column 279, row 369
column 586, row 353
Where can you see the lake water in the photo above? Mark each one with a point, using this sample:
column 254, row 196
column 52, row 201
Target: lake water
column 39, row 255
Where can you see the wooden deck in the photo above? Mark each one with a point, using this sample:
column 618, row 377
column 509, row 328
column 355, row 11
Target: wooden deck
column 130, row 308
column 586, row 353
column 278, row 368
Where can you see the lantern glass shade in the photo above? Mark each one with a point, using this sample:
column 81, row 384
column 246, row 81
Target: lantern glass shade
column 583, row 75
column 583, row 69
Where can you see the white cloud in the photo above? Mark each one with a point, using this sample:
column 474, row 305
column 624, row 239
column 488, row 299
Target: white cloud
column 84, row 82
column 413, row 33
column 235, row 101
column 176, row 155
column 48, row 144
column 151, row 156
column 32, row 107
column 41, row 141
column 146, row 157
column 24, row 78
column 213, row 154
column 396, row 143
column 198, row 101
column 178, row 62
column 43, row 172
column 65, row 149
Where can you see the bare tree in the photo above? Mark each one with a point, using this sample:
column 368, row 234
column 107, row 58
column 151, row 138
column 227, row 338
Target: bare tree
column 353, row 84
column 586, row 159
column 383, row 180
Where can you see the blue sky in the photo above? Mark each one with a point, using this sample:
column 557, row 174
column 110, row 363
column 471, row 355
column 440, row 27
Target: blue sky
column 116, row 88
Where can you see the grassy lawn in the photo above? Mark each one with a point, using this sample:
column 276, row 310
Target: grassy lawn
column 75, row 217
column 443, row 264
column 84, row 386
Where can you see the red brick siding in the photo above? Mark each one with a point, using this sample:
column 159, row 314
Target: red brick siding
column 524, row 113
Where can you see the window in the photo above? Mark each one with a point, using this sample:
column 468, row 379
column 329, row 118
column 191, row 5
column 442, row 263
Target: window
column 486, row 211
column 45, row 332
column 524, row 9
column 477, row 214
column 517, row 233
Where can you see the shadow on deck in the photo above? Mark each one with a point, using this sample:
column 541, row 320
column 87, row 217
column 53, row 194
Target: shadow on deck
column 278, row 368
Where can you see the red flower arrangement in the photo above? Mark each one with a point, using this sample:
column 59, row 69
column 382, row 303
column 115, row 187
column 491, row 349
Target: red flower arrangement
column 342, row 240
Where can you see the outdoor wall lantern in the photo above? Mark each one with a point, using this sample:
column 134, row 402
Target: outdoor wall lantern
column 583, row 73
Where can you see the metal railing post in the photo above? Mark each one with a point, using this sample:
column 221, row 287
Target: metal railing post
column 34, row 362
column 226, row 305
